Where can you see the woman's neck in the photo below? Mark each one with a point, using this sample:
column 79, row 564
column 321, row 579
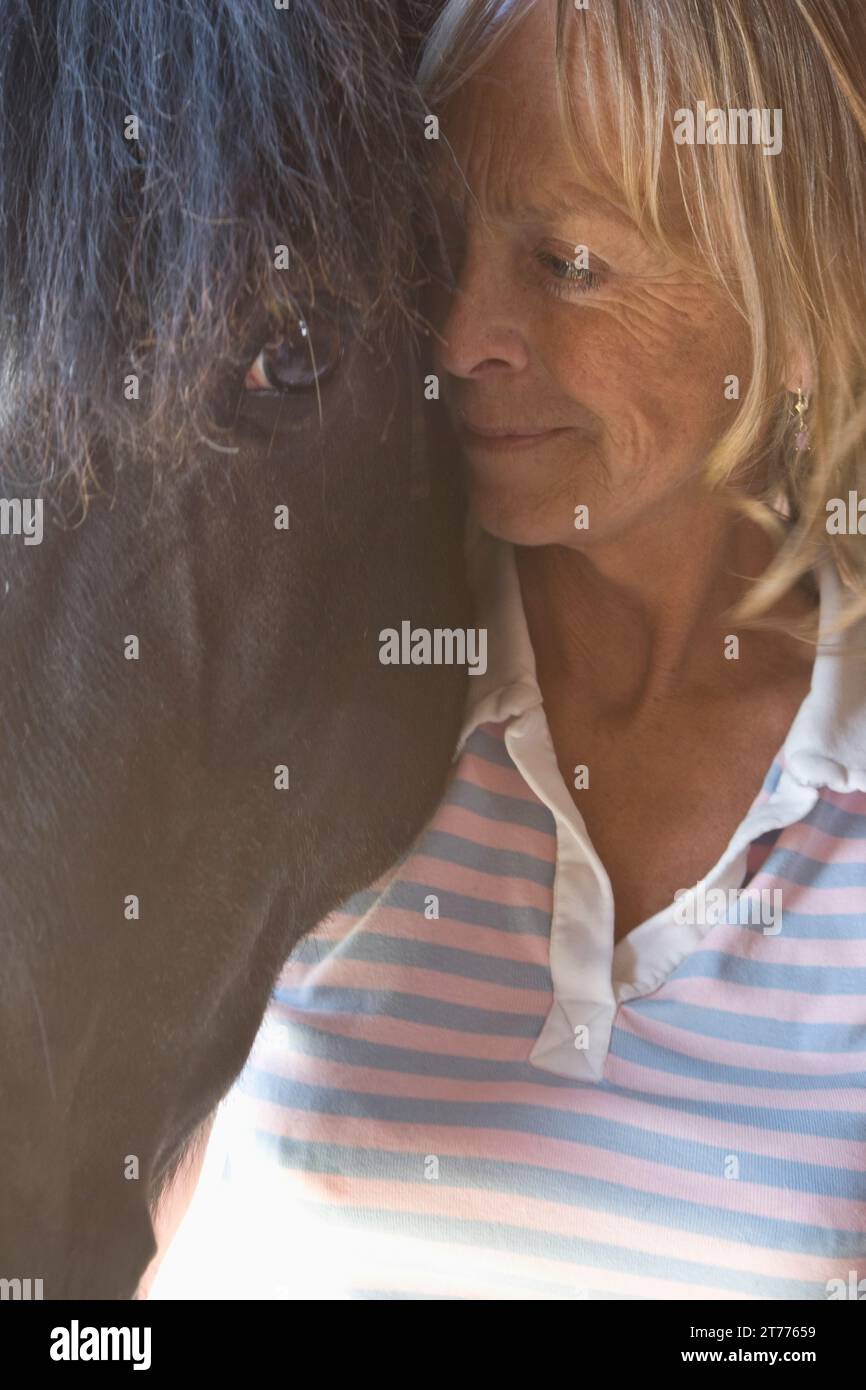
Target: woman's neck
column 634, row 620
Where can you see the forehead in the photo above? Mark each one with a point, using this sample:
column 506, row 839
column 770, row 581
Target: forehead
column 503, row 129
column 507, row 150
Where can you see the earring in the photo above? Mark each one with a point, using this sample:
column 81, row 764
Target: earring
column 802, row 437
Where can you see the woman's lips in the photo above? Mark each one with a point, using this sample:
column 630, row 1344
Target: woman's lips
column 504, row 440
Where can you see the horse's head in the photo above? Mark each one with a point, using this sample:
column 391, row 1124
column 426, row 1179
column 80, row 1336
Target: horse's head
column 211, row 381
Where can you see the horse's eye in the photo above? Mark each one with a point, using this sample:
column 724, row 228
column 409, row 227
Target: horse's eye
column 299, row 359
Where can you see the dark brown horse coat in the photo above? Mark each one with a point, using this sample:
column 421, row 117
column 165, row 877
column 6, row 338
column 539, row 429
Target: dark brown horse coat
column 201, row 753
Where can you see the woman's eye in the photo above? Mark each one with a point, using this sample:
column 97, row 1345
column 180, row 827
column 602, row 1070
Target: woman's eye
column 573, row 275
column 299, row 359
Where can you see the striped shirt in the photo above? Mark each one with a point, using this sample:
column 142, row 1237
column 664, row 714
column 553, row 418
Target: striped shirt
column 464, row 1089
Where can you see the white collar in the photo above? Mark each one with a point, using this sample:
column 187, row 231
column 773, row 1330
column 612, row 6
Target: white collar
column 826, row 743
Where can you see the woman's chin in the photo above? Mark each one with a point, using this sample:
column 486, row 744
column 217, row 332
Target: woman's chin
column 522, row 520
column 530, row 499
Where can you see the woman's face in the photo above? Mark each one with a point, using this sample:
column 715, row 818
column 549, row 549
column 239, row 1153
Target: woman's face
column 606, row 370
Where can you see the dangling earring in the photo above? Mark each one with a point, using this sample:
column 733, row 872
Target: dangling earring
column 802, row 437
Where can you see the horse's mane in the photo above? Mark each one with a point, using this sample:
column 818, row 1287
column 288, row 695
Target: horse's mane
column 123, row 256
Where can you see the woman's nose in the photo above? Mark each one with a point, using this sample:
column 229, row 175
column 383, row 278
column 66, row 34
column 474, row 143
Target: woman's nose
column 480, row 336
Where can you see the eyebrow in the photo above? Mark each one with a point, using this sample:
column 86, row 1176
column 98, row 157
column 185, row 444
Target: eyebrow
column 573, row 199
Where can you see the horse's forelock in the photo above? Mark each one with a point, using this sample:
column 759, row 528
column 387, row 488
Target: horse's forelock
column 257, row 127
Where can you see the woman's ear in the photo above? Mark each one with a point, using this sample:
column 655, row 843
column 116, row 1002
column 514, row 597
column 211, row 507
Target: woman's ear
column 800, row 374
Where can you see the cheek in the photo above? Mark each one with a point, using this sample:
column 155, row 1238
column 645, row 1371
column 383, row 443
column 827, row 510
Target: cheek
column 647, row 376
column 605, row 357
column 567, row 348
column 615, row 391
column 694, row 341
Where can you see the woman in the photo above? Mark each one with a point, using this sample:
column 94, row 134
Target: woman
column 603, row 1032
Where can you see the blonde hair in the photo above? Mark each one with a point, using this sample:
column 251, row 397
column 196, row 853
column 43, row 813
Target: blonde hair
column 784, row 235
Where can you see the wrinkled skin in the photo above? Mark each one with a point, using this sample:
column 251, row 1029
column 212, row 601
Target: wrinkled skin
column 156, row 777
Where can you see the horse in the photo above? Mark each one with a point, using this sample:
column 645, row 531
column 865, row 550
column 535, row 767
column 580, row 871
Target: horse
column 214, row 226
